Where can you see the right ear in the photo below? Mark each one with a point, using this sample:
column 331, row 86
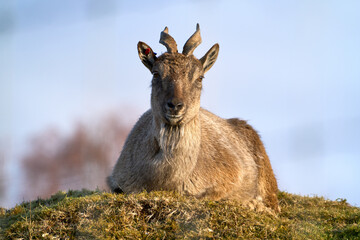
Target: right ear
column 146, row 54
column 210, row 57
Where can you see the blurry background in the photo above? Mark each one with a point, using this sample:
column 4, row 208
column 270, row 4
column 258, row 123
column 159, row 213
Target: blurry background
column 72, row 86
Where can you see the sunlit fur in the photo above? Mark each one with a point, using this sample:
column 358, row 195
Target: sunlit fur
column 196, row 153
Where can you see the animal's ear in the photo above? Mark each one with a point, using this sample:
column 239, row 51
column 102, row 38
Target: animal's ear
column 210, row 57
column 146, row 54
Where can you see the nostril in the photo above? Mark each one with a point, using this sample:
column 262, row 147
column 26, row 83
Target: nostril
column 175, row 105
column 179, row 105
column 170, row 105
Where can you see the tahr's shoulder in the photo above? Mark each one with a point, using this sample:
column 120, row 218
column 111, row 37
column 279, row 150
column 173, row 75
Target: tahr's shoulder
column 142, row 126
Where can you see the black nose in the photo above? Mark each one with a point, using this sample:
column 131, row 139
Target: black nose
column 174, row 105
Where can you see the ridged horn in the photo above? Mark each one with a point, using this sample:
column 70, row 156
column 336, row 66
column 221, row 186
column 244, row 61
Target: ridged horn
column 168, row 41
column 193, row 42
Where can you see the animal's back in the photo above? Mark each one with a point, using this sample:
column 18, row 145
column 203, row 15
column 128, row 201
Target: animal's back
column 267, row 184
column 232, row 163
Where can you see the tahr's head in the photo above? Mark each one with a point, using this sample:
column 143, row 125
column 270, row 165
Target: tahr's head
column 177, row 77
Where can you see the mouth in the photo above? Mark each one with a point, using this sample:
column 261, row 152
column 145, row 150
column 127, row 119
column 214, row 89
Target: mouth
column 173, row 119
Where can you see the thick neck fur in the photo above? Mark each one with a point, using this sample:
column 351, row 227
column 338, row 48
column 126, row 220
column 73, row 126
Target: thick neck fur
column 179, row 148
column 170, row 138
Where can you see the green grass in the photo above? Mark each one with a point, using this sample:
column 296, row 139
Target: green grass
column 163, row 215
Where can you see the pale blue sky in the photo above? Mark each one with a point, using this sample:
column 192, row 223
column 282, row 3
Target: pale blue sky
column 292, row 68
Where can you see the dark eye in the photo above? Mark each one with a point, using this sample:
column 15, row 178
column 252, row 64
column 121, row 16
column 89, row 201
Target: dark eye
column 156, row 78
column 156, row 74
column 198, row 82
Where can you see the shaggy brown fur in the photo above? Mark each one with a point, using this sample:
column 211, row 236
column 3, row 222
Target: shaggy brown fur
column 265, row 176
column 177, row 145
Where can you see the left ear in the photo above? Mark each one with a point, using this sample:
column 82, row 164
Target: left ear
column 210, row 57
column 146, row 54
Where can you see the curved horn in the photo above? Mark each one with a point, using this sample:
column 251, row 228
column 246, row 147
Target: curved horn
column 168, row 41
column 193, row 42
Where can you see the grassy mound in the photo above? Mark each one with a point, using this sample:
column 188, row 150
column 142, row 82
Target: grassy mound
column 163, row 215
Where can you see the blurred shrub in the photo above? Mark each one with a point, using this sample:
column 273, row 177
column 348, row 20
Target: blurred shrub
column 79, row 160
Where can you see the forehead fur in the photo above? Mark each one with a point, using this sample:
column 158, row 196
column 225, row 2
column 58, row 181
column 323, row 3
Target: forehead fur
column 177, row 61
